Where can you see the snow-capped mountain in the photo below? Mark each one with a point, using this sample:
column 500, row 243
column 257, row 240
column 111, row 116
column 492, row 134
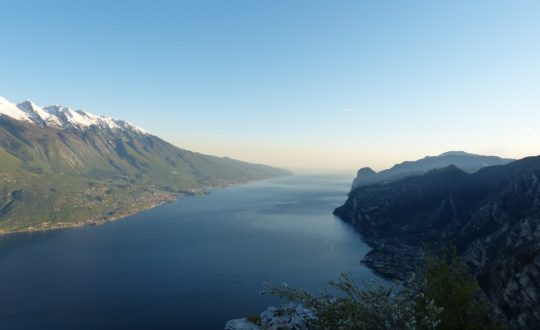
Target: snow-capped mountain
column 58, row 116
column 61, row 167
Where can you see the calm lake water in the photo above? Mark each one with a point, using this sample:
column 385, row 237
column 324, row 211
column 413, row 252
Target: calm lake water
column 192, row 264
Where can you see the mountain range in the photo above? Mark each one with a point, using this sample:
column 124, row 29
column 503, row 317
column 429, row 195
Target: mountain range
column 491, row 216
column 466, row 161
column 61, row 167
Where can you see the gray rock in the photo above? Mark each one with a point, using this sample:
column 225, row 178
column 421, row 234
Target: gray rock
column 241, row 324
column 286, row 317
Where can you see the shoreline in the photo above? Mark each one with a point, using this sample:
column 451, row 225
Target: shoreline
column 168, row 197
column 95, row 221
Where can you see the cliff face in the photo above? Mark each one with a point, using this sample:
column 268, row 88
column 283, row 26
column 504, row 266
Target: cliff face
column 492, row 216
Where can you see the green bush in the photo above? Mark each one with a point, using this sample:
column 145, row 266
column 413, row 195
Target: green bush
column 449, row 284
column 254, row 318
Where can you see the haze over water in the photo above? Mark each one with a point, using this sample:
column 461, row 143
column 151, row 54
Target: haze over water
column 192, row 264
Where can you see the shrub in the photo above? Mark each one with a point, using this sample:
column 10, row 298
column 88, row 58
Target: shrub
column 374, row 308
column 447, row 300
column 254, row 318
column 449, row 284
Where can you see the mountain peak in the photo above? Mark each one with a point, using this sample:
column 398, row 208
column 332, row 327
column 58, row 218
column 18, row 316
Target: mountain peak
column 366, row 171
column 26, row 103
column 9, row 109
column 456, row 153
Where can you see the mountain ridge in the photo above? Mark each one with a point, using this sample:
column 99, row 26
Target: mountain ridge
column 466, row 161
column 59, row 116
column 74, row 171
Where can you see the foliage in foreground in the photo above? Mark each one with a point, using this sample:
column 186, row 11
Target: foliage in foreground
column 447, row 300
column 448, row 283
column 355, row 308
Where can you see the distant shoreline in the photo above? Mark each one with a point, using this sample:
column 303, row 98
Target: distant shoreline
column 167, row 197
column 96, row 221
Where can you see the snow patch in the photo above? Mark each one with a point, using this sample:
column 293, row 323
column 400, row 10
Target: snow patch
column 11, row 110
column 39, row 114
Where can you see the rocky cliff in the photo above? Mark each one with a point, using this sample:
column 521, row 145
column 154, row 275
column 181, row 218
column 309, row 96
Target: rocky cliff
column 492, row 216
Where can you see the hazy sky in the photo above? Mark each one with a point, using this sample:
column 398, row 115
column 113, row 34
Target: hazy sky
column 314, row 84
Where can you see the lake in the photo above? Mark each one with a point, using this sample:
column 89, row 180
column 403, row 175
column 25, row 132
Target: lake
column 191, row 264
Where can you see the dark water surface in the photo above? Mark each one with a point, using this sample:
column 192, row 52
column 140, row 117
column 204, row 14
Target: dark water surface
column 192, row 264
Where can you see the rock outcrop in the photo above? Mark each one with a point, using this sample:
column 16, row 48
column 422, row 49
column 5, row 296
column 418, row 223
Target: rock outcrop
column 287, row 317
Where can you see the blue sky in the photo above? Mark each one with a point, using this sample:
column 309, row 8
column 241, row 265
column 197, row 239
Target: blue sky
column 300, row 84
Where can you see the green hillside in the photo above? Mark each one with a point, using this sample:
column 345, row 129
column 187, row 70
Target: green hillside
column 52, row 178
